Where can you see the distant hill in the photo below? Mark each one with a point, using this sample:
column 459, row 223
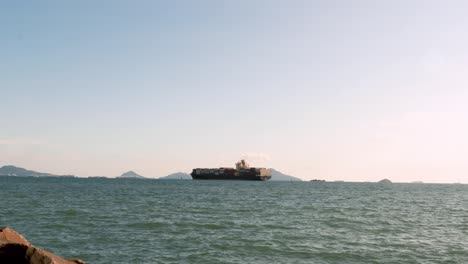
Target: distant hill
column 177, row 176
column 279, row 176
column 132, row 175
column 20, row 172
column 385, row 181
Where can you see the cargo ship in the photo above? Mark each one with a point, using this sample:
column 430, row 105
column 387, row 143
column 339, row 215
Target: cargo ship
column 242, row 172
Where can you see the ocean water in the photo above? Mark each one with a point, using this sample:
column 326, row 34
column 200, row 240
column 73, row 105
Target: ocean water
column 183, row 221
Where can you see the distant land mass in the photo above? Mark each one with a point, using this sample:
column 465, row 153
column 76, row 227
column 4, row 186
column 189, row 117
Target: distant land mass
column 20, row 172
column 131, row 174
column 177, row 176
column 279, row 176
column 10, row 170
column 385, row 181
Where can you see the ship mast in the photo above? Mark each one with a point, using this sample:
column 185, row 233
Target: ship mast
column 242, row 164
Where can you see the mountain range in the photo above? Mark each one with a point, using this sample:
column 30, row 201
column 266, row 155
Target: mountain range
column 10, row 170
column 20, row 172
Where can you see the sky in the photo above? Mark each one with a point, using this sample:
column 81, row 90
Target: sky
column 334, row 90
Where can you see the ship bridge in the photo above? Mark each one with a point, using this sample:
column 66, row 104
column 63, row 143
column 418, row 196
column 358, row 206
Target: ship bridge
column 242, row 165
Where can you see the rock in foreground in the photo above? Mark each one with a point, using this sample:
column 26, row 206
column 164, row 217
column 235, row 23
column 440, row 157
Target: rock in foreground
column 15, row 249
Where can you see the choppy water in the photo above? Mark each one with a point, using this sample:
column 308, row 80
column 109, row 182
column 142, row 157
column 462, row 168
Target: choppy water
column 154, row 221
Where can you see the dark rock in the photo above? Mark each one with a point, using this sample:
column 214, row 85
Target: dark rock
column 15, row 249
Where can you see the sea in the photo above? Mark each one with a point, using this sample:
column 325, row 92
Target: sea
column 185, row 221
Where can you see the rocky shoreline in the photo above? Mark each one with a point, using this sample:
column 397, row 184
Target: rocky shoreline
column 15, row 249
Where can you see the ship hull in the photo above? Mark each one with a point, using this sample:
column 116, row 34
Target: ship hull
column 242, row 172
column 230, row 177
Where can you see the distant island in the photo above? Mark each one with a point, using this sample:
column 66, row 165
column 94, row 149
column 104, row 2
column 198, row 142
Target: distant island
column 385, row 181
column 177, row 176
column 279, row 176
column 131, row 175
column 10, row 170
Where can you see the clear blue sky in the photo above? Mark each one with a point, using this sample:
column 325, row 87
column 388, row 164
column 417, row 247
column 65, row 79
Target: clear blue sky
column 336, row 90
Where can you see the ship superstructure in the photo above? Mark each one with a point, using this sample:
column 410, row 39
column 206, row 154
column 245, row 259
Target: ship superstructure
column 242, row 172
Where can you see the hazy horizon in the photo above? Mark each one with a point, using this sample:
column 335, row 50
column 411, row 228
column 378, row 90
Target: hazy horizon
column 333, row 90
column 154, row 177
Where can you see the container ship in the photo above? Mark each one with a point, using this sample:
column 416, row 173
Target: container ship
column 242, row 172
